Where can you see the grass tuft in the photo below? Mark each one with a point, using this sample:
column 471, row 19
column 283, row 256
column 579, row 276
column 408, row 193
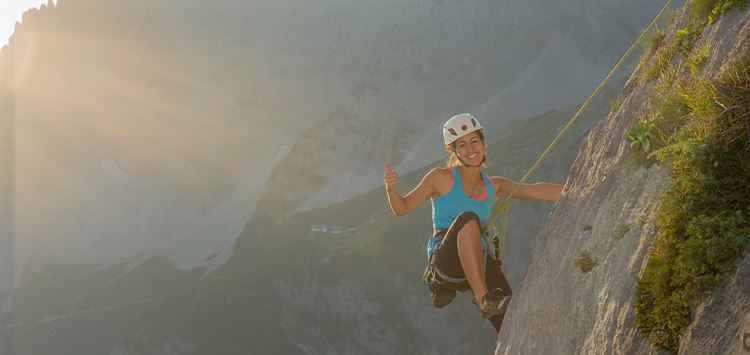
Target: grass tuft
column 617, row 102
column 699, row 57
column 620, row 231
column 585, row 262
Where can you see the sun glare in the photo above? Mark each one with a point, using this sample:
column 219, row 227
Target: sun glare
column 11, row 12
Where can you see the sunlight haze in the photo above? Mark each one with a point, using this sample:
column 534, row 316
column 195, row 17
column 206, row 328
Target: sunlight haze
column 11, row 12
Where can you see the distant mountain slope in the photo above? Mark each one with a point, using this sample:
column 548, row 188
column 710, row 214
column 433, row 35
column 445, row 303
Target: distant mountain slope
column 83, row 309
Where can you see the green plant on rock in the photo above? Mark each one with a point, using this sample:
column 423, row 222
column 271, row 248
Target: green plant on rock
column 653, row 42
column 699, row 57
column 620, row 231
column 585, row 261
column 660, row 51
column 685, row 38
column 641, row 218
column 712, row 10
column 701, row 9
column 703, row 218
column 652, row 66
column 722, row 7
column 645, row 137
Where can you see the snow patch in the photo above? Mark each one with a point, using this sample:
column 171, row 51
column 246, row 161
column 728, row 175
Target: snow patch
column 214, row 233
column 341, row 187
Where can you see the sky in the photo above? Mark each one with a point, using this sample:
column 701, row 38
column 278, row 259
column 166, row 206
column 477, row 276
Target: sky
column 10, row 13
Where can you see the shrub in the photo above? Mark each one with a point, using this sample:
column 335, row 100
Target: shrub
column 703, row 219
column 654, row 42
column 685, row 37
column 700, row 98
column 652, row 67
column 659, row 53
column 712, row 10
column 722, row 7
column 699, row 57
column 703, row 8
column 671, row 112
column 734, row 100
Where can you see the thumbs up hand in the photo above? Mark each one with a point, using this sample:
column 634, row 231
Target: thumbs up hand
column 390, row 177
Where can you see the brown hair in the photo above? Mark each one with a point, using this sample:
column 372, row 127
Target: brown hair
column 453, row 158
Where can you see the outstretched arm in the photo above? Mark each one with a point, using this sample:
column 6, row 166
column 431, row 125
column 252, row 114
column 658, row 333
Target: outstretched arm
column 403, row 205
column 543, row 191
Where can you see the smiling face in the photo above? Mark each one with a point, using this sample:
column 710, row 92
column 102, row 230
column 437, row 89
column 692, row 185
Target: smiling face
column 470, row 149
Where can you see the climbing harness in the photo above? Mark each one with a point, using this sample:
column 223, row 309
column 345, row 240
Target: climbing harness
column 498, row 241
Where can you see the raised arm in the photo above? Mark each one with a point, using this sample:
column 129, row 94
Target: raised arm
column 403, row 205
column 543, row 191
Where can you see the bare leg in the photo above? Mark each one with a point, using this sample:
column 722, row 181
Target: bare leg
column 472, row 260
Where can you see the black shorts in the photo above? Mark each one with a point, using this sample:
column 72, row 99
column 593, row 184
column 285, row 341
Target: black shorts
column 447, row 264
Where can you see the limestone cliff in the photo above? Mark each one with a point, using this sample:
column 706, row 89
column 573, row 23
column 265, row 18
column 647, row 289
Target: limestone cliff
column 607, row 210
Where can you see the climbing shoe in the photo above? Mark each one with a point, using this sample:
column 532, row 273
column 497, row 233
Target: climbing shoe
column 494, row 303
column 441, row 296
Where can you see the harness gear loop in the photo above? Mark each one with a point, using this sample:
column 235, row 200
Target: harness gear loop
column 505, row 206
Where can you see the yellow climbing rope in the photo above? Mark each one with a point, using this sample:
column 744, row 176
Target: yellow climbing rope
column 504, row 205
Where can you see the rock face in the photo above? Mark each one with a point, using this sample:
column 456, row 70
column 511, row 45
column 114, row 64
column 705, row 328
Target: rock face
column 560, row 309
column 722, row 322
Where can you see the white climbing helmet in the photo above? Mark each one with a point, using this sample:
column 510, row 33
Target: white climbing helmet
column 459, row 126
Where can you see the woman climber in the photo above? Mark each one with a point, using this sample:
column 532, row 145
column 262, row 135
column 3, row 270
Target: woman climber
column 463, row 198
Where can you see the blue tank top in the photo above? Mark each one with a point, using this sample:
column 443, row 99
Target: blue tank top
column 447, row 207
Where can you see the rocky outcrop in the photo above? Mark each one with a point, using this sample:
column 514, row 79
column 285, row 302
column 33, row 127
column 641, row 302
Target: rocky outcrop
column 722, row 322
column 558, row 309
column 607, row 211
